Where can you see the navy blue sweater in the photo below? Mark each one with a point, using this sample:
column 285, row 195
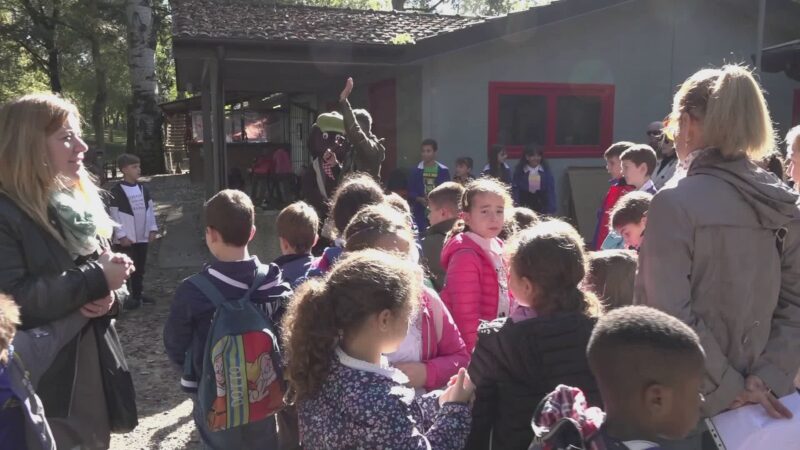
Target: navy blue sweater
column 191, row 312
column 294, row 267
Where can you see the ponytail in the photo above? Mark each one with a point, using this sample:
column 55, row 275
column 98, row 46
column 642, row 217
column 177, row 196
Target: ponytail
column 310, row 337
column 734, row 113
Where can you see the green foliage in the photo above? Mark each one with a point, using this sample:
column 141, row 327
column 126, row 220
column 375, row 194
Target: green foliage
column 402, row 39
column 18, row 75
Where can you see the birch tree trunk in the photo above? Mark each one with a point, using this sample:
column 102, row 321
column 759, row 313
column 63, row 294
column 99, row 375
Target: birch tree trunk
column 144, row 116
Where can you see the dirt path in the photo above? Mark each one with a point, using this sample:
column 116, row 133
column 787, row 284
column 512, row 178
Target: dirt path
column 164, row 410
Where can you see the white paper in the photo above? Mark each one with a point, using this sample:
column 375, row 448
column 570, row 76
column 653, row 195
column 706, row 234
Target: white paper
column 749, row 427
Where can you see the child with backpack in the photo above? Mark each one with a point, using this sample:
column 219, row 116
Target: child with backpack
column 433, row 350
column 476, row 286
column 516, row 363
column 335, row 334
column 423, row 179
column 222, row 323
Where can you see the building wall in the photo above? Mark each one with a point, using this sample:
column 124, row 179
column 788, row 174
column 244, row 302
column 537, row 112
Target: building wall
column 644, row 47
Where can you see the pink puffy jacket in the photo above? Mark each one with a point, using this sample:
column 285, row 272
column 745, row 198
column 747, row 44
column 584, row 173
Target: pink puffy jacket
column 471, row 289
column 443, row 350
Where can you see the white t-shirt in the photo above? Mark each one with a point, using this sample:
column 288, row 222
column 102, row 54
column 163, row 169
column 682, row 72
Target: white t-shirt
column 135, row 196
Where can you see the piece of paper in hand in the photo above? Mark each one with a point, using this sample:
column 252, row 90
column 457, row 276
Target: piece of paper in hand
column 749, row 427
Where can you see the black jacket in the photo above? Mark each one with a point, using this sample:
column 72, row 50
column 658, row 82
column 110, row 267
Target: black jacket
column 515, row 365
column 37, row 271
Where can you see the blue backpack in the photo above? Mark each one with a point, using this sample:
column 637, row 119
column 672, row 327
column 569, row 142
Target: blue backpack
column 242, row 379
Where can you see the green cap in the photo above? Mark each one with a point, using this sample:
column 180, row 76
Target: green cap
column 331, row 122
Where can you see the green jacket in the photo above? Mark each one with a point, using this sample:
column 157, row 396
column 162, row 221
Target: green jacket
column 432, row 245
column 368, row 152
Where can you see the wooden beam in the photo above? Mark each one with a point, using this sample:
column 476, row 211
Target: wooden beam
column 208, row 144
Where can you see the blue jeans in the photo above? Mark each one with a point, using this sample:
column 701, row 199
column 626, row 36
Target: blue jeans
column 262, row 435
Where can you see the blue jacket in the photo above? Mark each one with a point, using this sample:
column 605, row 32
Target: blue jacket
column 416, row 188
column 191, row 312
column 294, row 267
column 543, row 201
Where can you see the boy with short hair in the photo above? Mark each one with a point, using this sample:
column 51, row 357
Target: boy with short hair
column 638, row 164
column 617, row 189
column 24, row 357
column 629, row 218
column 463, row 170
column 649, row 367
column 443, row 203
column 229, row 217
column 133, row 209
column 297, row 226
column 422, row 180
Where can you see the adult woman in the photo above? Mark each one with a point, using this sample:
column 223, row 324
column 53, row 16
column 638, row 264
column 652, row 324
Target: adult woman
column 723, row 243
column 53, row 260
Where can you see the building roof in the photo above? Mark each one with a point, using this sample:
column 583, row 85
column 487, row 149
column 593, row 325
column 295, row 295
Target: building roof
column 265, row 21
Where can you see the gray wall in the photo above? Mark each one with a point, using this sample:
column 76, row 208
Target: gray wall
column 645, row 48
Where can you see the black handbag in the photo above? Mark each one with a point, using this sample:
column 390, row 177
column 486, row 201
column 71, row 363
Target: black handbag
column 117, row 381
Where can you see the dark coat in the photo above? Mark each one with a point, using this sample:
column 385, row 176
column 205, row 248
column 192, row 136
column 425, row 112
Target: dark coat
column 38, row 272
column 515, row 365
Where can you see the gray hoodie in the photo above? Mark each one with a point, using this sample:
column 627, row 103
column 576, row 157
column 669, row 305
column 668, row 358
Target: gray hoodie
column 722, row 253
column 34, row 351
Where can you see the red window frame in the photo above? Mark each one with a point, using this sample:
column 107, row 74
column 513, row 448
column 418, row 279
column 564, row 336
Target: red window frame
column 551, row 91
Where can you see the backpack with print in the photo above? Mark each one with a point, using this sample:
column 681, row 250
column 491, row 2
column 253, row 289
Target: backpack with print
column 241, row 381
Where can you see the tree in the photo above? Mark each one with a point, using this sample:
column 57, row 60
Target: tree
column 144, row 118
column 33, row 25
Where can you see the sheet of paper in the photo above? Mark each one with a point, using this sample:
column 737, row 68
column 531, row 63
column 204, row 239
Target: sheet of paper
column 749, row 427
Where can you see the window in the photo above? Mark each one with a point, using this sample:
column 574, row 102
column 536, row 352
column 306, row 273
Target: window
column 569, row 120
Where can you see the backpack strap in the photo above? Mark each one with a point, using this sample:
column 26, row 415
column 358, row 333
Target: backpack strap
column 208, row 289
column 212, row 293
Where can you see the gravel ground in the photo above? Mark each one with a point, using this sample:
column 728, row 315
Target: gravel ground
column 164, row 410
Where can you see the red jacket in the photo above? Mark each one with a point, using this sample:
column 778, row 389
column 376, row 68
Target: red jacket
column 471, row 289
column 615, row 192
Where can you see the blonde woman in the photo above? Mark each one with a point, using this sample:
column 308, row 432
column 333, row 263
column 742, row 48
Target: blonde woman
column 793, row 156
column 53, row 261
column 723, row 245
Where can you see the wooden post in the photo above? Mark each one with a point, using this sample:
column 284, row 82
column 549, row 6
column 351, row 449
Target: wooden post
column 208, row 145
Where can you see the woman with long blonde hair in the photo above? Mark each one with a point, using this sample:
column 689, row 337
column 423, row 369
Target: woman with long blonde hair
column 723, row 243
column 54, row 261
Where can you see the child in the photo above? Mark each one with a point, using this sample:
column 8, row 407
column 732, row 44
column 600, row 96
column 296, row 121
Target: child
column 638, row 163
column 517, row 363
column 24, row 357
column 497, row 167
column 649, row 368
column 422, row 180
column 433, row 350
column 476, row 285
column 229, row 219
column 617, row 189
column 629, row 218
column 355, row 192
column 533, row 184
column 132, row 208
column 525, row 217
column 463, row 170
column 611, row 275
column 347, row 395
column 443, row 205
column 297, row 226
